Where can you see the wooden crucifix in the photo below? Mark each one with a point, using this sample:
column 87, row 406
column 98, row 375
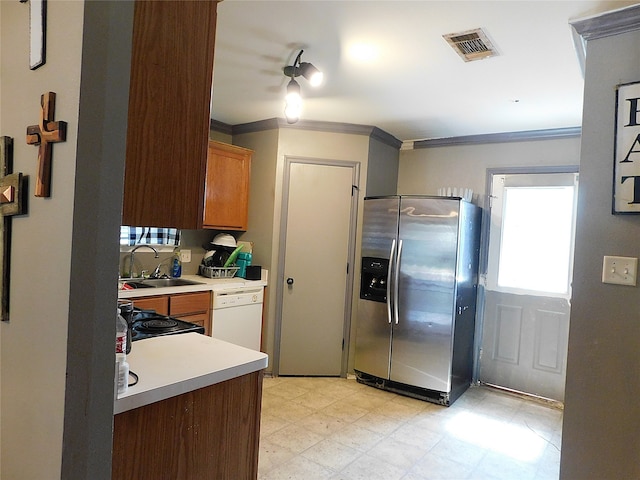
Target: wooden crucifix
column 12, row 202
column 46, row 133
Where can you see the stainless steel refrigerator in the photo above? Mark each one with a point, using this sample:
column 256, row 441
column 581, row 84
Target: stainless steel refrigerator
column 418, row 285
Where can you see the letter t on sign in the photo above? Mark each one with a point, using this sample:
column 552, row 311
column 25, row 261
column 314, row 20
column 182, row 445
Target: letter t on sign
column 45, row 134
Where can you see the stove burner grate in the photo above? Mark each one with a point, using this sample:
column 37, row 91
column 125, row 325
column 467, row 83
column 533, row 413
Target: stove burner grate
column 148, row 323
column 159, row 323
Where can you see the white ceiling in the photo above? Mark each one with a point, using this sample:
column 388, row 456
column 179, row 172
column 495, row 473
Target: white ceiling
column 416, row 87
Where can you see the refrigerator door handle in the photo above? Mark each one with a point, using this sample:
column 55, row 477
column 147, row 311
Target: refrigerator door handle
column 396, row 282
column 390, row 279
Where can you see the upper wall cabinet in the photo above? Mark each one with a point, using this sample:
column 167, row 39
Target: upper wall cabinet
column 226, row 205
column 169, row 111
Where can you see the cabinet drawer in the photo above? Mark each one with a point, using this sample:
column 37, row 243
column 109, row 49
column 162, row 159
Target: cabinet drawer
column 189, row 303
column 160, row 304
column 202, row 319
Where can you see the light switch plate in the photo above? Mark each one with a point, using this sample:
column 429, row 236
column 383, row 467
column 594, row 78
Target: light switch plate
column 619, row 270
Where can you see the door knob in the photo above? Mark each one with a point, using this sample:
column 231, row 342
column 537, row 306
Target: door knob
column 289, row 281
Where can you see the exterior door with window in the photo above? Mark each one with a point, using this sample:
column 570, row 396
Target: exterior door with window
column 527, row 285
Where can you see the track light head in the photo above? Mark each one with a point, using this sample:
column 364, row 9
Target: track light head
column 311, row 73
column 307, row 70
column 293, row 104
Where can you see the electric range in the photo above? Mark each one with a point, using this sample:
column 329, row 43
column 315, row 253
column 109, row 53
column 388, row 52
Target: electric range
column 147, row 324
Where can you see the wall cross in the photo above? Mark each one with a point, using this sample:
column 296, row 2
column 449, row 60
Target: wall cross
column 37, row 32
column 12, row 202
column 45, row 134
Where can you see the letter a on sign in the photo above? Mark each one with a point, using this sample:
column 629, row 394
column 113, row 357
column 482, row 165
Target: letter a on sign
column 626, row 168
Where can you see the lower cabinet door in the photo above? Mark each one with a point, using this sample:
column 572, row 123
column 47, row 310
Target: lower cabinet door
column 213, row 432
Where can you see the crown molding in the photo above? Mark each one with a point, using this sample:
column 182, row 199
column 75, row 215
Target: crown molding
column 220, row 127
column 311, row 125
column 506, row 137
column 388, row 139
column 615, row 22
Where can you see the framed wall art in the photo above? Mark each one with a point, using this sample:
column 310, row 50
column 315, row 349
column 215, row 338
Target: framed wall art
column 626, row 169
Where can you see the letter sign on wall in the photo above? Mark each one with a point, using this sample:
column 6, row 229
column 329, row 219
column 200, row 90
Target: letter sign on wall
column 626, row 178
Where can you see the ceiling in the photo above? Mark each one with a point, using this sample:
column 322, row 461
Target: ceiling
column 412, row 84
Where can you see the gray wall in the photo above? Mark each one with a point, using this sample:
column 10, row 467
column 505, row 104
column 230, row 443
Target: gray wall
column 262, row 205
column 601, row 431
column 382, row 172
column 56, row 353
column 424, row 170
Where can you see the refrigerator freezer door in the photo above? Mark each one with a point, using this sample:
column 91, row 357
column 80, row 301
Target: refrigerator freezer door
column 422, row 339
column 379, row 226
column 373, row 334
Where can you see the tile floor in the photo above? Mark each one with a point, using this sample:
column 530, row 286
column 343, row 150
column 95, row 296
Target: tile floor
column 334, row 428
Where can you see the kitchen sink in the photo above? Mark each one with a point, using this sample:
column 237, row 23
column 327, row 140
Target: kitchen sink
column 138, row 285
column 161, row 282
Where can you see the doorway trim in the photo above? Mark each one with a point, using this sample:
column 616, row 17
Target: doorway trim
column 484, row 245
column 284, row 210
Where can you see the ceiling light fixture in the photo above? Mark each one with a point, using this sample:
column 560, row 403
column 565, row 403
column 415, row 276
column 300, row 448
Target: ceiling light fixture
column 293, row 105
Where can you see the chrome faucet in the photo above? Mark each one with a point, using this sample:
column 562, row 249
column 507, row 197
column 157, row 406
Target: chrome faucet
column 158, row 269
column 131, row 257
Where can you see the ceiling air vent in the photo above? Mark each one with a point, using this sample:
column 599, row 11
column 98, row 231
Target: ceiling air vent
column 471, row 45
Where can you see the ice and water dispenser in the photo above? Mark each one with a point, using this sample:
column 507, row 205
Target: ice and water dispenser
column 373, row 279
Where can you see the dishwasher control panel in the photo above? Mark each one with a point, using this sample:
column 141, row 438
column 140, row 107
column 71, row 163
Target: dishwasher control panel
column 237, row 297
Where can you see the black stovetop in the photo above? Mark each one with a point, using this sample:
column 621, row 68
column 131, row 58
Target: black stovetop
column 147, row 324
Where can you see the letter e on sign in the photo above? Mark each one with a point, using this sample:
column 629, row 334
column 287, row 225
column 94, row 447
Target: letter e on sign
column 626, row 168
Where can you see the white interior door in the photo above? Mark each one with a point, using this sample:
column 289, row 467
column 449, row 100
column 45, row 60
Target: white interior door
column 319, row 209
column 527, row 285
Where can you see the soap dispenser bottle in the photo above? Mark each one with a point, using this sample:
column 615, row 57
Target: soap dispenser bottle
column 176, row 265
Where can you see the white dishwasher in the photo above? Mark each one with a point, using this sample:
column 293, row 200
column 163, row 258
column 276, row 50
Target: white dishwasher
column 237, row 316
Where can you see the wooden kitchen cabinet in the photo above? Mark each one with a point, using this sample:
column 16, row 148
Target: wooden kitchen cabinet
column 169, row 113
column 158, row 303
column 190, row 307
column 210, row 433
column 226, row 205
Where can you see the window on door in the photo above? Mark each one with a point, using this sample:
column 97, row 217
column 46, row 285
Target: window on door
column 533, row 246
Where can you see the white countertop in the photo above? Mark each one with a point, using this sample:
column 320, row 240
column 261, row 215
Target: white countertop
column 171, row 365
column 204, row 284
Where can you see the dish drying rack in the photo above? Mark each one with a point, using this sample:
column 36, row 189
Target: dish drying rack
column 218, row 272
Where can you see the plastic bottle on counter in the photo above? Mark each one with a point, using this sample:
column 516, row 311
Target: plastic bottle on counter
column 121, row 333
column 122, row 367
column 122, row 370
column 244, row 260
column 176, row 265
